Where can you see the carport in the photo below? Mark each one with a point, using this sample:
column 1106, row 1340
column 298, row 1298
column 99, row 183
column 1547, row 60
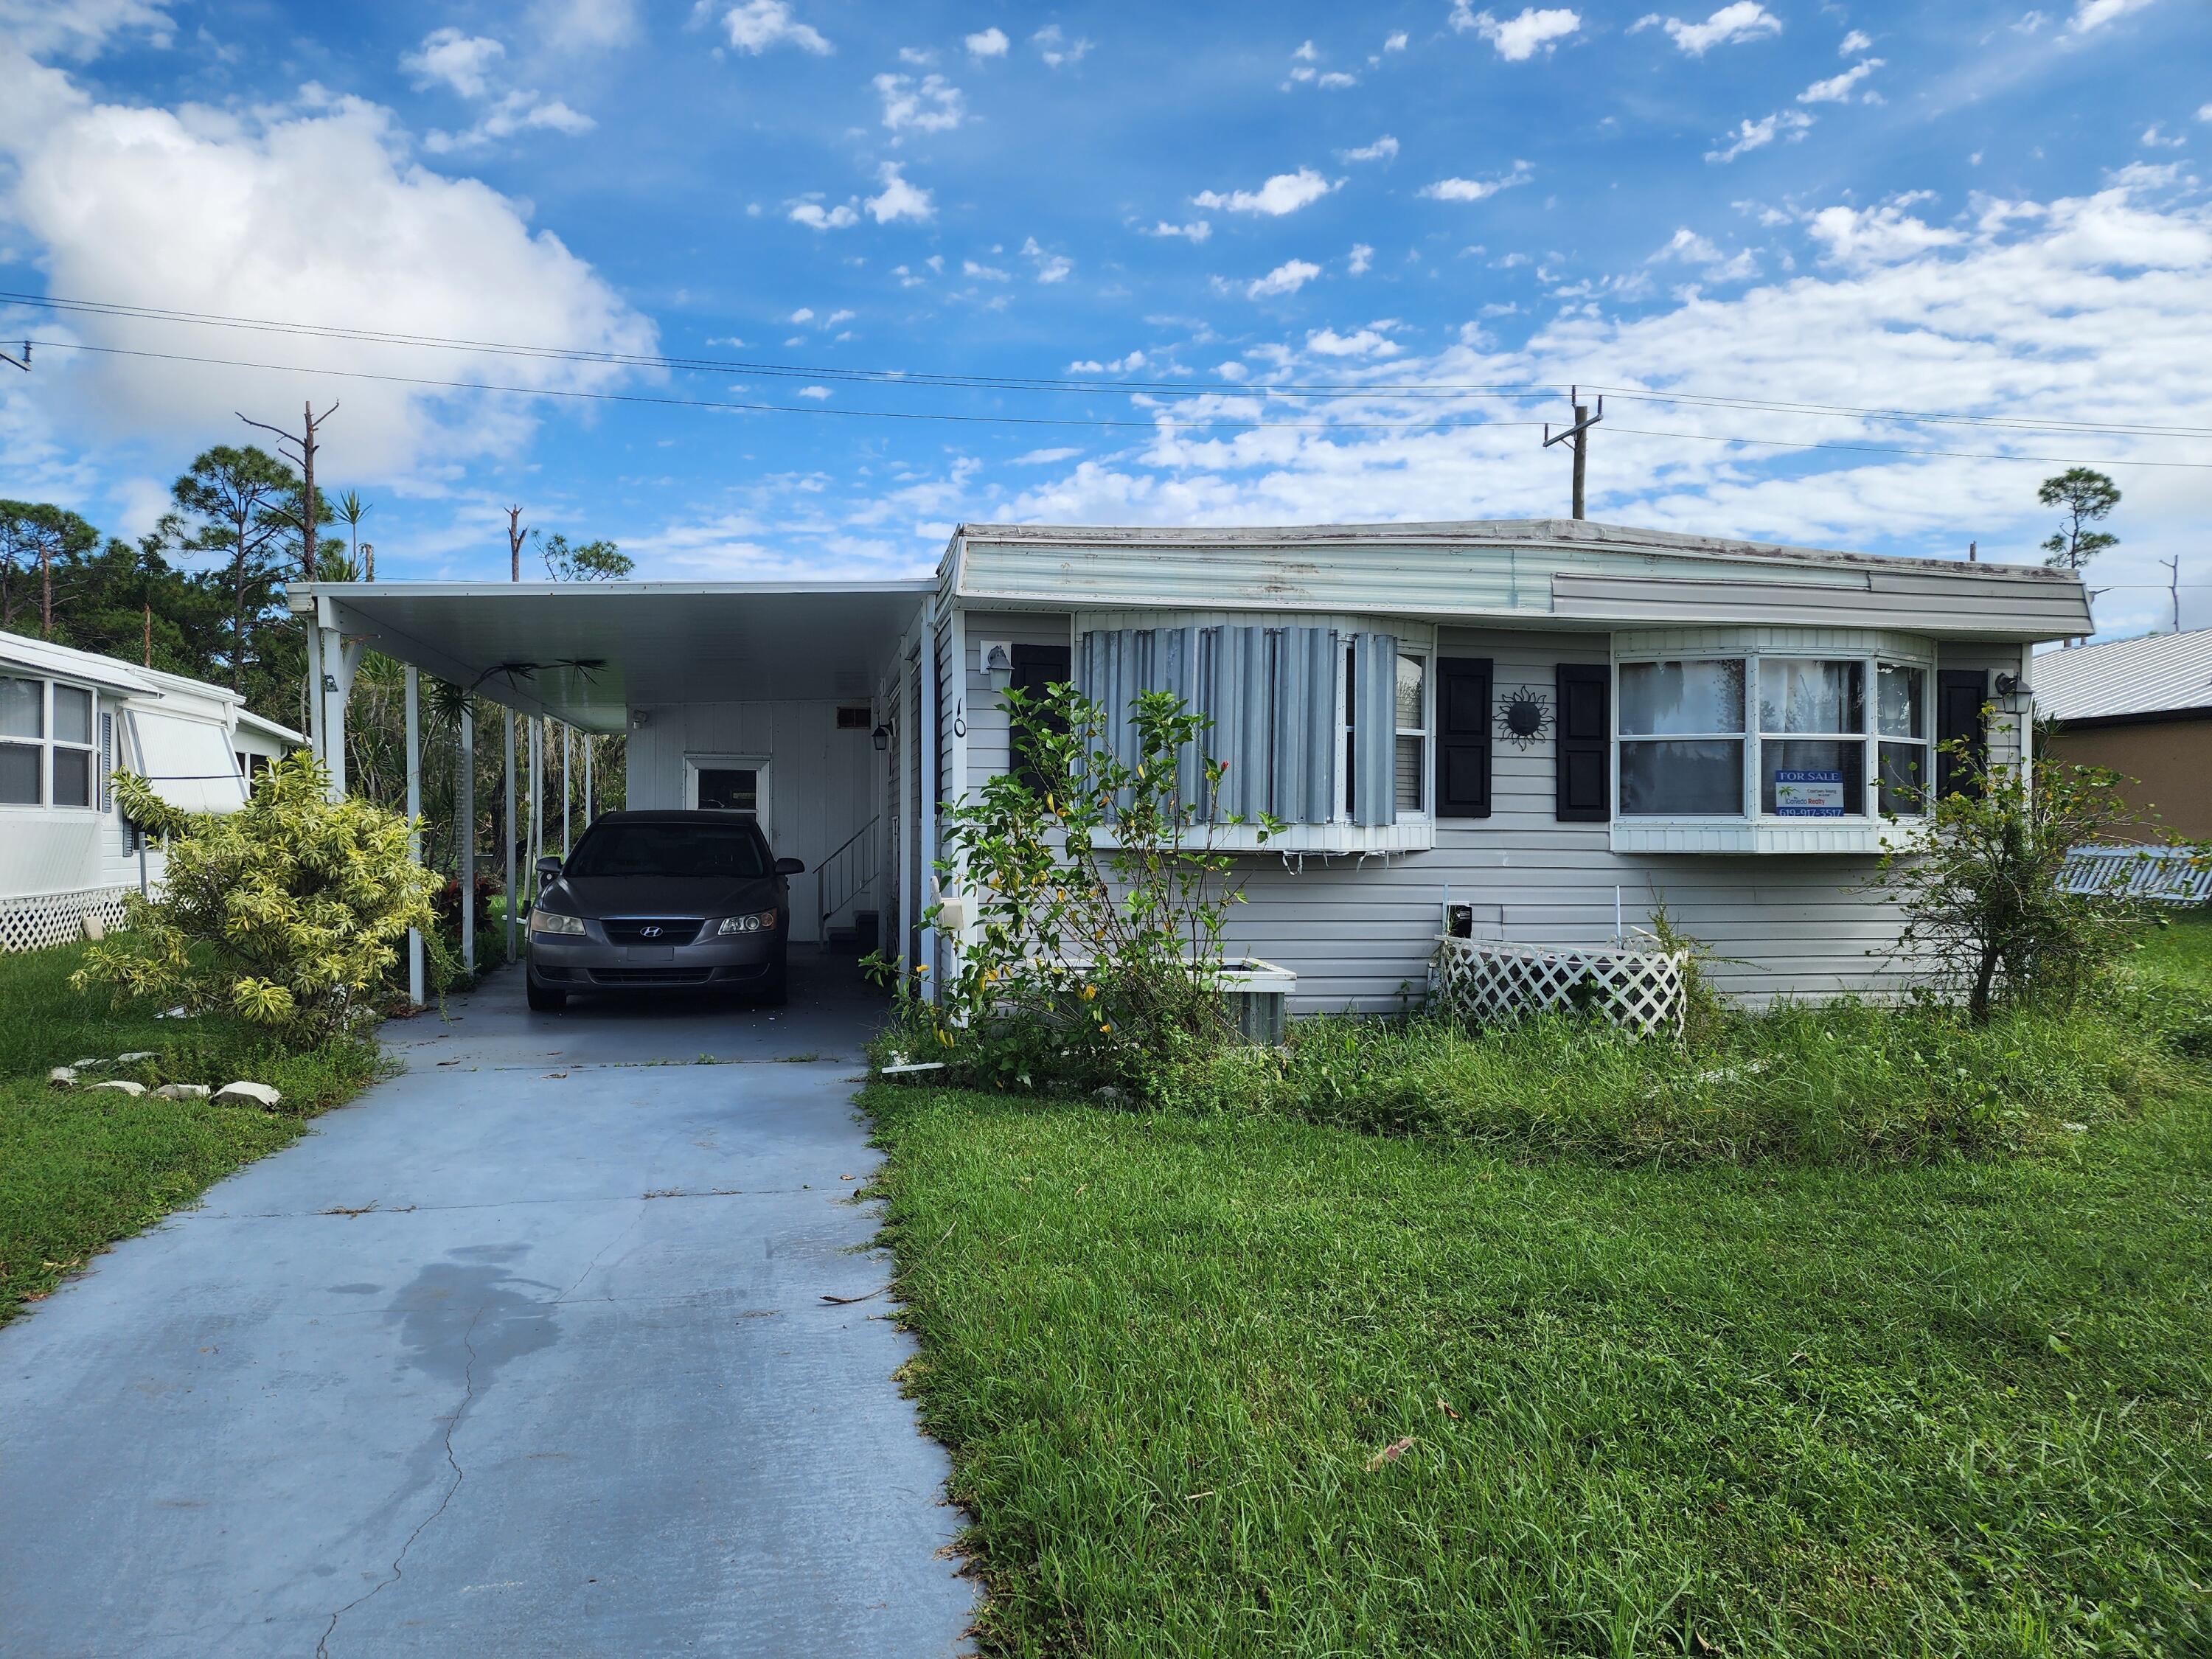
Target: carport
column 804, row 703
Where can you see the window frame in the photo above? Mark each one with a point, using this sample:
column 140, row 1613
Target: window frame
column 48, row 744
column 1751, row 812
column 1425, row 769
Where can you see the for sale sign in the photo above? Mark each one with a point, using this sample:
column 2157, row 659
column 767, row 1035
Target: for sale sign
column 1808, row 794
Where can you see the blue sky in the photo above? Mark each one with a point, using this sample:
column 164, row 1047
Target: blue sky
column 1181, row 216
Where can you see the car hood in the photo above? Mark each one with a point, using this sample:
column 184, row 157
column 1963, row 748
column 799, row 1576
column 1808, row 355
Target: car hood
column 663, row 896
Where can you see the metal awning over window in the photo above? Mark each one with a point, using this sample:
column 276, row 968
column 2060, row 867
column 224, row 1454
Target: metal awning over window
column 188, row 761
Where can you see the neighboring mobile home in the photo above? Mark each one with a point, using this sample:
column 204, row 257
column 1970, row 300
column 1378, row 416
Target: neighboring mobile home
column 1551, row 728
column 2142, row 708
column 69, row 721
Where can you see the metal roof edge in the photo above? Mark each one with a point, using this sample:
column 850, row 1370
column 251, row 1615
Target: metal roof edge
column 310, row 592
column 1503, row 532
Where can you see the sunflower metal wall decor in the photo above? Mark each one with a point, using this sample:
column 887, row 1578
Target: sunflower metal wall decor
column 1524, row 716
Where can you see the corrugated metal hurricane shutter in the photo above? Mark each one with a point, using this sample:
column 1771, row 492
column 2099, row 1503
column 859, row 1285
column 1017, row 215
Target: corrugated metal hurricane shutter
column 1374, row 728
column 1270, row 693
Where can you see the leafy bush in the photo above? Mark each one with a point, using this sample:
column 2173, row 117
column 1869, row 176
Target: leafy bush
column 1985, row 914
column 1839, row 1082
column 291, row 913
column 1098, row 883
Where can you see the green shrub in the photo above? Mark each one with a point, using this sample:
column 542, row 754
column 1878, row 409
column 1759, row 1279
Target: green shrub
column 291, row 913
column 1841, row 1082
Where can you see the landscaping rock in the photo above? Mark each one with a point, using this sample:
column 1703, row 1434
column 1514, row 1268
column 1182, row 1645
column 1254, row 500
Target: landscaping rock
column 63, row 1077
column 120, row 1085
column 183, row 1092
column 90, row 1065
column 247, row 1094
column 135, row 1056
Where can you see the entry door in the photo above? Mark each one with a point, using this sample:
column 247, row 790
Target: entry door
column 729, row 783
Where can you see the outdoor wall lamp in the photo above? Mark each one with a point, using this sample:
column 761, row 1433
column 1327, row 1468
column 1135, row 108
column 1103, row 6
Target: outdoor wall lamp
column 881, row 737
column 2011, row 685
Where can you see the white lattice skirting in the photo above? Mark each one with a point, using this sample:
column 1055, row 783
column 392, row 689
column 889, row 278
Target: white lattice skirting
column 1484, row 981
column 34, row 923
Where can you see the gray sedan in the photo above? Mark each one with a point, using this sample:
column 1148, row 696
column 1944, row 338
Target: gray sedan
column 659, row 902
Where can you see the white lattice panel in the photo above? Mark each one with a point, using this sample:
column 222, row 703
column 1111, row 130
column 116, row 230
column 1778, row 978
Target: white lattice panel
column 1484, row 981
column 32, row 924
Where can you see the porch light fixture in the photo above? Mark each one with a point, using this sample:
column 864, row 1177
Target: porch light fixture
column 997, row 657
column 881, row 737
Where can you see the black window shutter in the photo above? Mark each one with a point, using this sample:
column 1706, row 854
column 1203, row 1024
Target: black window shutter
column 1582, row 749
column 1462, row 737
column 1961, row 694
column 1036, row 667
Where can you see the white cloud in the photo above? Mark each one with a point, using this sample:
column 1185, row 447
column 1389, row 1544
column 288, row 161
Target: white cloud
column 588, row 25
column 804, row 314
column 1050, row 267
column 1750, row 135
column 515, row 112
column 758, row 25
column 987, row 43
column 1743, row 20
column 1856, row 41
column 2155, row 138
column 1877, row 235
column 1363, row 257
column 1135, row 360
column 1476, row 190
column 817, row 393
column 1286, row 279
column 1196, row 231
column 80, row 29
column 899, row 199
column 1382, row 150
column 984, row 273
column 1365, row 343
column 1048, row 457
column 1056, row 49
column 1687, row 247
column 1517, row 39
column 1285, row 192
column 1394, row 41
column 809, row 211
column 930, row 105
column 391, row 246
column 458, row 61
column 1837, row 88
column 2095, row 14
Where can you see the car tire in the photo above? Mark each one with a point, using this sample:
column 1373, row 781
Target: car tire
column 543, row 999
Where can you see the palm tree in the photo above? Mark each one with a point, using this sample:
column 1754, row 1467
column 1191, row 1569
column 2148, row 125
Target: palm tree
column 350, row 509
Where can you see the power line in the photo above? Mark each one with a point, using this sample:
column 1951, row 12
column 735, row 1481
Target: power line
column 1153, row 425
column 1421, row 390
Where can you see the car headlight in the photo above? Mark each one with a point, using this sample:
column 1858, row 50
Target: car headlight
column 543, row 921
column 761, row 922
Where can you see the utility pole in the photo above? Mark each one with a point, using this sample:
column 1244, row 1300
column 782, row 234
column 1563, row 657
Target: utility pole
column 2173, row 586
column 1973, row 552
column 1578, row 434
column 305, row 443
column 22, row 362
column 517, row 533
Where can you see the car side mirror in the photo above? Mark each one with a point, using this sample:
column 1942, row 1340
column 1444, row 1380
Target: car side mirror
column 790, row 866
column 549, row 869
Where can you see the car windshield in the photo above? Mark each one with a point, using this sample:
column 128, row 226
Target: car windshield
column 669, row 849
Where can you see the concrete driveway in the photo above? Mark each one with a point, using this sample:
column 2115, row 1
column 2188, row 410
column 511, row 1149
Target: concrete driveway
column 525, row 1353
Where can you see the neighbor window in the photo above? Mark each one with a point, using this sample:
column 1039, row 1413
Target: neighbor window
column 45, row 744
column 1411, row 763
column 1681, row 739
column 1695, row 734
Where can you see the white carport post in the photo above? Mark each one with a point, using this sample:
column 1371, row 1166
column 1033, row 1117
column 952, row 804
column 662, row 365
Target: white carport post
column 331, row 727
column 536, row 799
column 506, row 824
column 591, row 743
column 927, row 862
column 314, row 685
column 416, row 986
column 566, row 793
column 465, row 831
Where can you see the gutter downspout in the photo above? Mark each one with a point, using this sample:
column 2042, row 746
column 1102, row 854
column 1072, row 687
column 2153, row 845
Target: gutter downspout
column 926, row 865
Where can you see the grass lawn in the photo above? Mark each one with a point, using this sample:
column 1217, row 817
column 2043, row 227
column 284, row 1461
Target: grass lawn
column 79, row 1170
column 1242, row 1385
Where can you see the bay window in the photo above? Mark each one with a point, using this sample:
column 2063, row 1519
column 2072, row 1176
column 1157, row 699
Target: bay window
column 1772, row 736
column 1681, row 739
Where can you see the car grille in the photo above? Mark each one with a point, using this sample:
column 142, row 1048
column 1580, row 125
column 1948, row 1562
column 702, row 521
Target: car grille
column 670, row 930
column 651, row 976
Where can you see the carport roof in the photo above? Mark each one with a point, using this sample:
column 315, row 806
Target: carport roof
column 586, row 652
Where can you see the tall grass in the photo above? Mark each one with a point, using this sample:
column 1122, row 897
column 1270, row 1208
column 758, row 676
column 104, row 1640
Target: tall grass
column 1844, row 1082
